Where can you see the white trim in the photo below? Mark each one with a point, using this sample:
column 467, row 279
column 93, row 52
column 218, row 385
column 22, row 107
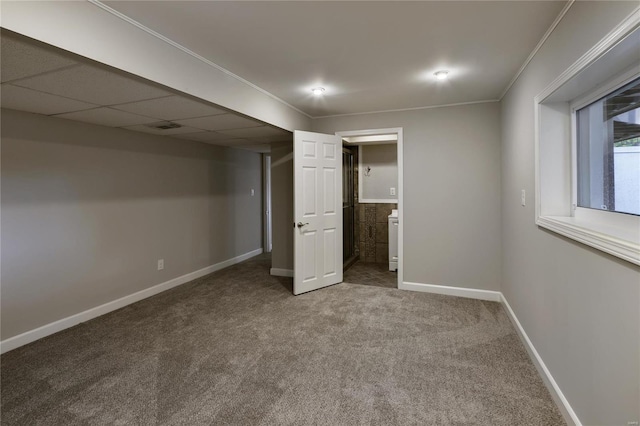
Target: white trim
column 408, row 109
column 605, row 89
column 370, row 139
column 279, row 272
column 471, row 293
column 167, row 40
column 616, row 235
column 538, row 47
column 62, row 324
column 569, row 227
column 267, row 223
column 561, row 401
column 400, row 145
column 628, row 25
column 496, row 296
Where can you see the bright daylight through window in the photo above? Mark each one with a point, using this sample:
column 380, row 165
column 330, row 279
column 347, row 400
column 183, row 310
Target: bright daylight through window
column 608, row 152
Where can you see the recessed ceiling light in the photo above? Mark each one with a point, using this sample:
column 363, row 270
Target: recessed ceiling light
column 317, row 91
column 442, row 75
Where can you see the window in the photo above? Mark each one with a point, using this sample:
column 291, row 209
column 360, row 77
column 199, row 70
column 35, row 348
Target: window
column 587, row 146
column 608, row 152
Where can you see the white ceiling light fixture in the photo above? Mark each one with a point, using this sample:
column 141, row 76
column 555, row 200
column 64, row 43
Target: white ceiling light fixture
column 441, row 75
column 317, row 91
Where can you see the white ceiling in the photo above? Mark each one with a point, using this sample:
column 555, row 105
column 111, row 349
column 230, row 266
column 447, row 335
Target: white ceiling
column 41, row 79
column 370, row 56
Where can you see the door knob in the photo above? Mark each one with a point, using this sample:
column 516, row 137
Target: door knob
column 300, row 224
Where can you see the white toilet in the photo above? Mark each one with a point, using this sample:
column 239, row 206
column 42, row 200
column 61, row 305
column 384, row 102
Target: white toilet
column 393, row 240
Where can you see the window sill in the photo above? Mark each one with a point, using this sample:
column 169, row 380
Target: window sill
column 621, row 243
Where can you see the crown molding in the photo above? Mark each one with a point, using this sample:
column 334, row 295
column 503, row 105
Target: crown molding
column 172, row 43
column 535, row 50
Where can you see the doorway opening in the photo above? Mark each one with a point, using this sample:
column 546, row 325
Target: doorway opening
column 350, row 239
column 372, row 206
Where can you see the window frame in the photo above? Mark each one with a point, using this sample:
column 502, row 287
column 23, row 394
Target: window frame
column 605, row 89
column 556, row 150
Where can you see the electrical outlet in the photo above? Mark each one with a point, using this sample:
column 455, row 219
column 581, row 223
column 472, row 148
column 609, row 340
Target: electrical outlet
column 523, row 198
column 392, row 191
column 253, row 192
column 160, row 264
column 632, row 423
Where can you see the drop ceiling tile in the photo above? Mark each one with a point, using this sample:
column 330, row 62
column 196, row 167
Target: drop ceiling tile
column 204, row 136
column 171, row 108
column 22, row 99
column 92, row 84
column 22, row 57
column 219, row 122
column 154, row 131
column 107, row 117
column 234, row 142
column 261, row 148
column 255, row 132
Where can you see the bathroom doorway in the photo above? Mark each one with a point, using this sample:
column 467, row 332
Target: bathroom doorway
column 372, row 205
column 349, row 232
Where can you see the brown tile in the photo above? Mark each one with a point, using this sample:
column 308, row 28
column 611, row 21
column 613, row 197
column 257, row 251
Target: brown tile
column 361, row 212
column 382, row 253
column 370, row 213
column 362, row 252
column 370, row 233
column 361, row 232
column 370, row 251
column 382, row 232
column 382, row 212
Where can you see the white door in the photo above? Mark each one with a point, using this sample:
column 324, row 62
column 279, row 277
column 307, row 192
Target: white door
column 317, row 241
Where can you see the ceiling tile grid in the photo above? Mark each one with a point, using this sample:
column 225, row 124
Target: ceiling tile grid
column 107, row 117
column 254, row 132
column 155, row 131
column 205, row 136
column 91, row 84
column 22, row 59
column 22, row 99
column 171, row 108
column 220, row 122
column 49, row 82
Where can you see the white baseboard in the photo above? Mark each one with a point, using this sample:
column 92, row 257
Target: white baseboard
column 567, row 412
column 471, row 293
column 561, row 401
column 279, row 272
column 56, row 326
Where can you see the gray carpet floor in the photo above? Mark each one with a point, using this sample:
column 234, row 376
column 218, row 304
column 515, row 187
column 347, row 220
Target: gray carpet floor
column 236, row 348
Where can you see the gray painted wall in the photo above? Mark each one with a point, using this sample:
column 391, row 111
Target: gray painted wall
column 87, row 211
column 451, row 191
column 282, row 204
column 383, row 161
column 579, row 306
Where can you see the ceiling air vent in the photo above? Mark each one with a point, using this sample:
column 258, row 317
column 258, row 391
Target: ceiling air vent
column 164, row 125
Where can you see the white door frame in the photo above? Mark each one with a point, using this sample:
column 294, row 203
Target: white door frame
column 400, row 193
column 266, row 203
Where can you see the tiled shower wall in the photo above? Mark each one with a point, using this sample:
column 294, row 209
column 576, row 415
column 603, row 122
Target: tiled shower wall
column 373, row 222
